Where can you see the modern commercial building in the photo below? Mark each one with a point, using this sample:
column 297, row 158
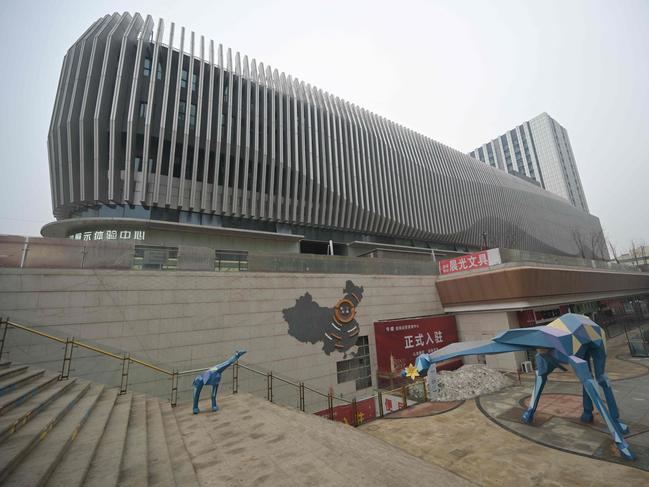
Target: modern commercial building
column 538, row 150
column 188, row 183
column 186, row 142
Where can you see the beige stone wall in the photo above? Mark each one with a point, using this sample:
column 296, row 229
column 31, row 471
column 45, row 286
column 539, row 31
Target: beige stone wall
column 189, row 320
column 483, row 326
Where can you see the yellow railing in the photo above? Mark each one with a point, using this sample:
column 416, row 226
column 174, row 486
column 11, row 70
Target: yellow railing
column 174, row 374
column 300, row 388
column 70, row 343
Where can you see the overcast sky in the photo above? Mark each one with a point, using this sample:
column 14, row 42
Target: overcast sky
column 460, row 72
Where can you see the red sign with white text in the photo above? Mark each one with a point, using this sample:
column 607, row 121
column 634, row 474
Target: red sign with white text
column 477, row 260
column 365, row 411
column 399, row 342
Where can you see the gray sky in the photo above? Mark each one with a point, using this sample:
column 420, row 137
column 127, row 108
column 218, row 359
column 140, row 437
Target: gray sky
column 460, row 72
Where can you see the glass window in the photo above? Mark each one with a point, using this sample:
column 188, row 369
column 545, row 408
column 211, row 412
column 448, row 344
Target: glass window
column 147, row 67
column 142, row 112
column 192, row 115
column 231, row 260
column 183, row 79
column 490, row 154
column 138, row 164
column 508, row 158
column 194, row 81
column 357, row 369
column 159, row 71
column 155, row 257
column 181, row 111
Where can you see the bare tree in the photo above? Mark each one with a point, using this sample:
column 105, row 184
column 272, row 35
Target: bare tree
column 643, row 251
column 613, row 250
column 579, row 242
column 634, row 253
column 598, row 245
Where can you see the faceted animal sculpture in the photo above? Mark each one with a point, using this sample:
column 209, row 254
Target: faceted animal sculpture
column 571, row 339
column 212, row 377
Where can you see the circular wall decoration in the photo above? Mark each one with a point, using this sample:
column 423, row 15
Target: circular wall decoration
column 344, row 311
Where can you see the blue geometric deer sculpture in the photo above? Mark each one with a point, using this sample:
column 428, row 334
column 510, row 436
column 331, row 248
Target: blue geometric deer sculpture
column 571, row 339
column 212, row 377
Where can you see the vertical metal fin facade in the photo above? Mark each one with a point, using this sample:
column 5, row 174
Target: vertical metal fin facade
column 140, row 122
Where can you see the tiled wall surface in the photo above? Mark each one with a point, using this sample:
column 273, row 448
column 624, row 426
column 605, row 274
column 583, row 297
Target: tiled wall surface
column 188, row 320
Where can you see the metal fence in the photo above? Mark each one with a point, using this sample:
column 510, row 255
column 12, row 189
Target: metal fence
column 61, row 253
column 28, row 252
column 638, row 340
column 119, row 369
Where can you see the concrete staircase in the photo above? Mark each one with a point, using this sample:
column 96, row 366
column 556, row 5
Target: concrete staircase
column 74, row 432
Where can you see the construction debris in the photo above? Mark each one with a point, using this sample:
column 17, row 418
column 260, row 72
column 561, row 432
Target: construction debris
column 467, row 382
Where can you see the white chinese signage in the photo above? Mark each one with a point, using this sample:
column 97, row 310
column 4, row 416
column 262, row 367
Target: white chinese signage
column 477, row 260
column 400, row 342
column 109, row 235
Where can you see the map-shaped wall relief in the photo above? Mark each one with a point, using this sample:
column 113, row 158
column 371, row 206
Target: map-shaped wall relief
column 335, row 327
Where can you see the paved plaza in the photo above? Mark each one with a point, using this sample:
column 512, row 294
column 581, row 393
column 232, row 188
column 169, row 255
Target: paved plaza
column 484, row 440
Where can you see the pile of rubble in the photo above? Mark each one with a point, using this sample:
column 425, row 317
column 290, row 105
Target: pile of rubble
column 467, row 382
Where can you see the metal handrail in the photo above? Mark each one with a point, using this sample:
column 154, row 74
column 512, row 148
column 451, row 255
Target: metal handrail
column 286, row 381
column 151, row 366
column 317, row 392
column 138, row 361
column 35, row 332
column 86, row 346
column 203, row 369
column 100, row 351
column 174, row 374
column 192, row 371
column 341, row 399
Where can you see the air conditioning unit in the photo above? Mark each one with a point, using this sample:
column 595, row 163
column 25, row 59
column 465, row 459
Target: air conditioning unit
column 527, row 366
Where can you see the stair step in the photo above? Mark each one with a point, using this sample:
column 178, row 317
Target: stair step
column 12, row 383
column 135, row 466
column 105, row 466
column 37, row 467
column 16, row 398
column 181, row 463
column 160, row 472
column 18, row 445
column 30, row 403
column 5, row 364
column 72, row 470
column 9, row 371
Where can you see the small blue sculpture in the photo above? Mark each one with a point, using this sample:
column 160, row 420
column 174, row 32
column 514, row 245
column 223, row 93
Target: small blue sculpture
column 571, row 339
column 212, row 377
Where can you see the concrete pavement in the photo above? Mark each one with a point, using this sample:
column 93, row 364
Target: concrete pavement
column 485, row 441
column 251, row 441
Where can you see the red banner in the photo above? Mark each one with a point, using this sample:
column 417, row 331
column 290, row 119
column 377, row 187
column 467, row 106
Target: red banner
column 468, row 262
column 526, row 318
column 399, row 342
column 365, row 411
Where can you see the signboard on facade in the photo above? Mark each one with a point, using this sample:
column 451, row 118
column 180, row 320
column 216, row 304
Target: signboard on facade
column 399, row 342
column 468, row 262
column 109, row 235
column 365, row 411
column 392, row 403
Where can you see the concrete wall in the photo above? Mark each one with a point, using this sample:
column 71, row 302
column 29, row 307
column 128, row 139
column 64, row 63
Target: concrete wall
column 483, row 326
column 189, row 320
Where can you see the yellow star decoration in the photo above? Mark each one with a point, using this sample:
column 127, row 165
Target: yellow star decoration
column 411, row 371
